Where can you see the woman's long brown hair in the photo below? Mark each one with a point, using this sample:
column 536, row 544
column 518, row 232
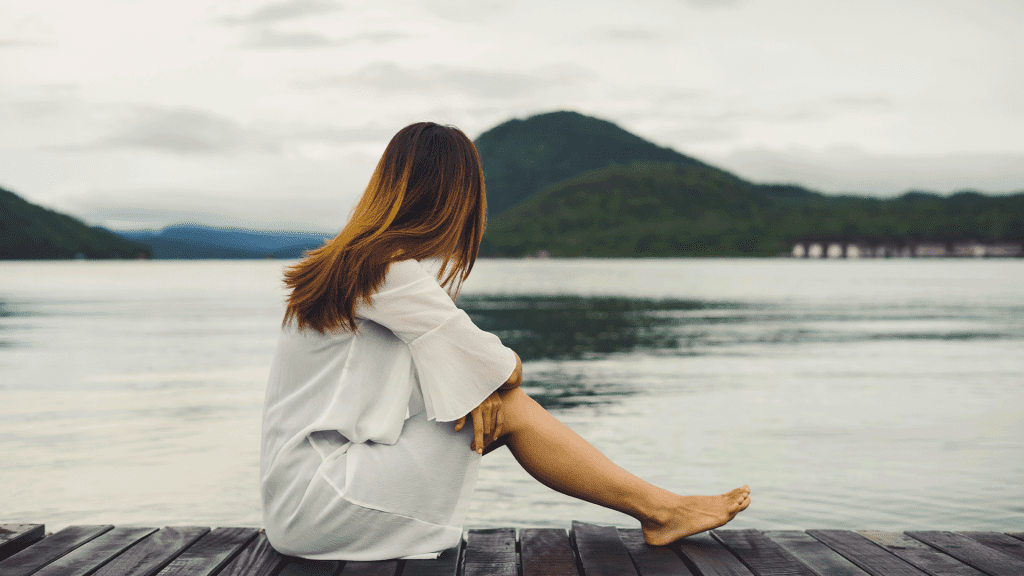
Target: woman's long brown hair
column 425, row 199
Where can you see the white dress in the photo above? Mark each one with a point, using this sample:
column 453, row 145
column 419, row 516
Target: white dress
column 360, row 459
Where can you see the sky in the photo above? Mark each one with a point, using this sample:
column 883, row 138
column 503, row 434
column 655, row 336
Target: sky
column 136, row 114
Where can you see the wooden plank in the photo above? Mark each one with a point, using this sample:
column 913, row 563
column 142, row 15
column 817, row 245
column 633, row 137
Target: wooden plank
column 49, row 549
column 546, row 552
column 867, row 555
column 153, row 552
column 815, row 555
column 303, row 567
column 210, row 552
column 447, row 564
column 972, row 552
column 763, row 556
column 921, row 555
column 707, row 557
column 600, row 550
column 652, row 560
column 257, row 559
column 88, row 557
column 16, row 537
column 1002, row 542
column 379, row 568
column 491, row 552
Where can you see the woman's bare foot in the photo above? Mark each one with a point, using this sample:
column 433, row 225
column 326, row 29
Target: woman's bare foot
column 692, row 514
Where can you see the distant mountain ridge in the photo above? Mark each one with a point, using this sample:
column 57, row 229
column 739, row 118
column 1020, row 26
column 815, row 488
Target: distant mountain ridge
column 194, row 241
column 571, row 185
column 684, row 207
column 31, row 232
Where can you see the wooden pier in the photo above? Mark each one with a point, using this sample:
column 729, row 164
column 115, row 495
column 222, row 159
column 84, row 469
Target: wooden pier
column 586, row 550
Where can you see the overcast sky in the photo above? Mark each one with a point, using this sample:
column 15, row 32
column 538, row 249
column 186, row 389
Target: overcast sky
column 142, row 113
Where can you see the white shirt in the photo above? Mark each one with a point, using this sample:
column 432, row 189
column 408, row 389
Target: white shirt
column 359, row 459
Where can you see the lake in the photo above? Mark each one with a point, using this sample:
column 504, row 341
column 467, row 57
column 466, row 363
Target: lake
column 847, row 394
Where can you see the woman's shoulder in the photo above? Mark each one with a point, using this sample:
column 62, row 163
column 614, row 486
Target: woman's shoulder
column 404, row 272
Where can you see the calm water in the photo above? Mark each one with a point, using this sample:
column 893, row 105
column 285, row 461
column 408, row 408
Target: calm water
column 884, row 395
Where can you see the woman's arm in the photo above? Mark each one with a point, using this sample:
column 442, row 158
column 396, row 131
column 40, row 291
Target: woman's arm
column 488, row 417
column 516, row 378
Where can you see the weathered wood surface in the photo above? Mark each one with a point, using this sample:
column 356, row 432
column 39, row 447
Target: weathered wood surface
column 652, row 560
column 601, row 551
column 491, row 552
column 153, row 553
column 587, row 550
column 16, row 537
column 760, row 554
column 1002, row 542
column 88, row 557
column 813, row 553
column 869, row 556
column 49, row 549
column 546, row 552
column 709, row 558
column 257, row 559
column 210, row 552
column 921, row 555
column 972, row 552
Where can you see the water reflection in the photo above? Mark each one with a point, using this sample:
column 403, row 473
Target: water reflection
column 576, row 327
column 555, row 333
column 572, row 327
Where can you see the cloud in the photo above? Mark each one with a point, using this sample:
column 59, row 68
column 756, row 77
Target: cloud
column 186, row 131
column 267, row 38
column 11, row 43
column 285, row 10
column 461, row 11
column 367, row 133
column 699, row 134
column 271, row 39
column 391, row 78
column 625, row 34
column 713, row 4
column 861, row 101
column 848, row 169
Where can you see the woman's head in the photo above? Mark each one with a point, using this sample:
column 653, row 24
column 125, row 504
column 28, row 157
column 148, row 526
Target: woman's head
column 425, row 199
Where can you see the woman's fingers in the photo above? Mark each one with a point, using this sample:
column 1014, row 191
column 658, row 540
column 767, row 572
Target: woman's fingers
column 488, row 419
column 478, row 430
column 460, row 423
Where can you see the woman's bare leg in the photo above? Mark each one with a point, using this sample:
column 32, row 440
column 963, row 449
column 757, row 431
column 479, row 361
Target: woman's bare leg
column 562, row 460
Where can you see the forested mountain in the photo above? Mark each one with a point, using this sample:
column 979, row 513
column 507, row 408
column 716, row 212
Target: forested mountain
column 668, row 210
column 520, row 157
column 683, row 207
column 28, row 231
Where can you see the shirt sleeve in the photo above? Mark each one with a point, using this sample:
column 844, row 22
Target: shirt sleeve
column 458, row 364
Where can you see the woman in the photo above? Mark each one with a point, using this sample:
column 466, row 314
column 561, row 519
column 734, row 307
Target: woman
column 366, row 454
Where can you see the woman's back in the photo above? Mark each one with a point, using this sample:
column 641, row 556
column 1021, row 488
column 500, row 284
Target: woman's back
column 353, row 424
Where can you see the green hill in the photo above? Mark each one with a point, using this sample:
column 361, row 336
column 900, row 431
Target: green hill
column 647, row 209
column 520, row 157
column 28, row 231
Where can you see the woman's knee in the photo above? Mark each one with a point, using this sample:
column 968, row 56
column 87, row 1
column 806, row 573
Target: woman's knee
column 516, row 405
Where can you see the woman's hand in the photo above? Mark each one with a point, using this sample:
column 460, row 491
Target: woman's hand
column 487, row 422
